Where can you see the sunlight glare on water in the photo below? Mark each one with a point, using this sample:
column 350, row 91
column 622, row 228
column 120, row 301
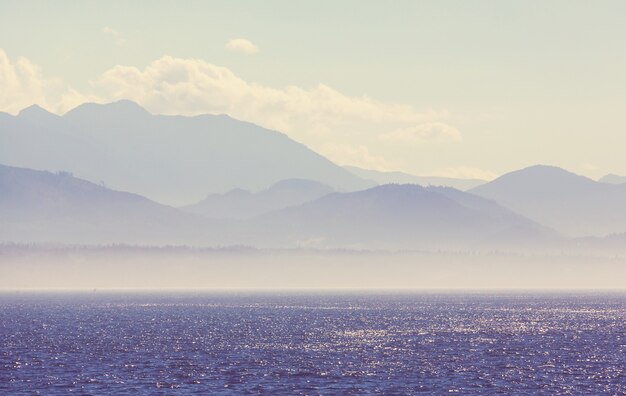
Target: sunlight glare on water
column 314, row 343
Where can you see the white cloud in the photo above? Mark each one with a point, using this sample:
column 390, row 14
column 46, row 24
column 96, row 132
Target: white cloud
column 465, row 172
column 356, row 156
column 344, row 128
column 22, row 84
column 430, row 131
column 192, row 86
column 116, row 35
column 242, row 45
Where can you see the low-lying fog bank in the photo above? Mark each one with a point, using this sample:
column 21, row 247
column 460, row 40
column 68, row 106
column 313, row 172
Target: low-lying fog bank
column 73, row 267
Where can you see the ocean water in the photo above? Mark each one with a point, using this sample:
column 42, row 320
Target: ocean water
column 351, row 343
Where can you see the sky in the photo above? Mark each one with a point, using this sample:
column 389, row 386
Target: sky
column 445, row 88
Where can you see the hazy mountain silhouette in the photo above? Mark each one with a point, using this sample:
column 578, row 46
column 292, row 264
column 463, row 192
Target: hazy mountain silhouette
column 406, row 178
column 38, row 206
column 613, row 179
column 172, row 159
column 241, row 204
column 37, row 114
column 572, row 204
column 397, row 216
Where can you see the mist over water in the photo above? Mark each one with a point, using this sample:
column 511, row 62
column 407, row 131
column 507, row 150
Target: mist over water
column 87, row 268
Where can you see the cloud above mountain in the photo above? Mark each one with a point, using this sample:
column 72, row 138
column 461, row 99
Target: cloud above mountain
column 319, row 116
column 357, row 156
column 192, row 86
column 315, row 116
column 426, row 132
column 242, row 45
column 116, row 35
column 22, row 83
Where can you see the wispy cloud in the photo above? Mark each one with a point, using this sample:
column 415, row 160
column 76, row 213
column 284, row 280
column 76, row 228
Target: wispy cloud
column 346, row 128
column 357, row 156
column 115, row 34
column 313, row 116
column 242, row 45
column 430, row 131
column 22, row 84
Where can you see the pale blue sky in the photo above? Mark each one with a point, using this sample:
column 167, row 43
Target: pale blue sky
column 522, row 82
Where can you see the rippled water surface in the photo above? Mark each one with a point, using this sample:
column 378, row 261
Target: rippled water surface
column 312, row 344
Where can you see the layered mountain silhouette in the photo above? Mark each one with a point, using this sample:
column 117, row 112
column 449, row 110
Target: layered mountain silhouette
column 37, row 206
column 613, row 179
column 406, row 178
column 397, row 216
column 171, row 159
column 572, row 204
column 310, row 201
column 242, row 204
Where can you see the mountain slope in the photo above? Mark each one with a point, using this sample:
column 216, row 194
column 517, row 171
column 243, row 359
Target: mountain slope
column 397, row 216
column 37, row 206
column 241, row 204
column 405, row 178
column 171, row 159
column 613, row 179
column 572, row 204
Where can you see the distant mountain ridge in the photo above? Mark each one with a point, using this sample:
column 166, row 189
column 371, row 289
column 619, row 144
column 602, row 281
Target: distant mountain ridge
column 405, row 178
column 572, row 204
column 172, row 159
column 39, row 206
column 399, row 216
column 242, row 204
column 613, row 179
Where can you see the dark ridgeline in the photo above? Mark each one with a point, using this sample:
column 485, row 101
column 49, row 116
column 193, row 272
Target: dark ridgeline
column 400, row 217
column 242, row 204
column 41, row 206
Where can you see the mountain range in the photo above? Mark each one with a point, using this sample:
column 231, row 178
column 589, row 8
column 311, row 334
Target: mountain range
column 397, row 216
column 171, row 159
column 242, row 204
column 571, row 204
column 39, row 206
column 233, row 182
